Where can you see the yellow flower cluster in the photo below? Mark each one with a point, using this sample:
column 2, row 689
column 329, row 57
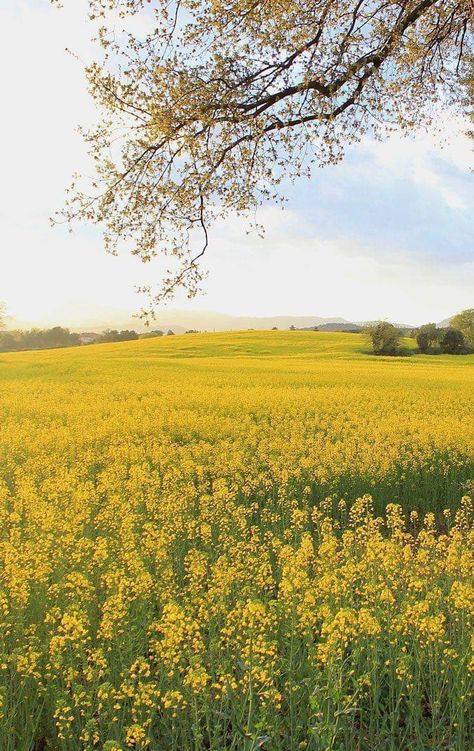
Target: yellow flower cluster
column 236, row 542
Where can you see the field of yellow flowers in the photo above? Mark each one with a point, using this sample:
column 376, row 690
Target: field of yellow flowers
column 234, row 542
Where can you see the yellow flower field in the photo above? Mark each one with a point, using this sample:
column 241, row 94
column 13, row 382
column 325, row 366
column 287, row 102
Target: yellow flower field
column 256, row 540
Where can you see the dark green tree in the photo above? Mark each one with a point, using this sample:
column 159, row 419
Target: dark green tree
column 427, row 337
column 8, row 343
column 151, row 334
column 464, row 322
column 385, row 338
column 38, row 339
column 112, row 335
column 452, row 342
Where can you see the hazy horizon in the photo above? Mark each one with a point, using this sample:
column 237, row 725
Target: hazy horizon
column 181, row 320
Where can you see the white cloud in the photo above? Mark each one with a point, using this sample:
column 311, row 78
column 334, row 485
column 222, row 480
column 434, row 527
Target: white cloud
column 291, row 272
column 414, row 158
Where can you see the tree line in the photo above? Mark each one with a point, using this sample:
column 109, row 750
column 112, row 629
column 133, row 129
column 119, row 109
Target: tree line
column 385, row 338
column 455, row 339
column 11, row 341
column 56, row 337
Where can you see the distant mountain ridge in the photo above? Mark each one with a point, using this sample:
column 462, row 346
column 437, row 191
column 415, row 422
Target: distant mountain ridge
column 364, row 324
column 349, row 327
column 204, row 321
column 180, row 321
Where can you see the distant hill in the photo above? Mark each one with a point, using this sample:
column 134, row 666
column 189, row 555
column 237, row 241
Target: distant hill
column 210, row 321
column 180, row 321
column 349, row 327
column 403, row 326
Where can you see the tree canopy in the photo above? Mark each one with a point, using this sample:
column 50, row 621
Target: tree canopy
column 453, row 341
column 385, row 338
column 112, row 335
column 464, row 321
column 38, row 339
column 428, row 336
column 210, row 104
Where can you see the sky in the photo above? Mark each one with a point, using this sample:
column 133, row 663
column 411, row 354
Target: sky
column 387, row 234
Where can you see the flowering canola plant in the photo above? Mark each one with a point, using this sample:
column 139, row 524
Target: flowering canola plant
column 256, row 540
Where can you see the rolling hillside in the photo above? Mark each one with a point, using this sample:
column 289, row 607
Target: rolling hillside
column 200, row 548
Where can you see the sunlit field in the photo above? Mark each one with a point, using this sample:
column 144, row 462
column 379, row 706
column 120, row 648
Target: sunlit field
column 235, row 542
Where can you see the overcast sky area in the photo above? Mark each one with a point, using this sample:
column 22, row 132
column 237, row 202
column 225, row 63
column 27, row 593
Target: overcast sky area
column 386, row 234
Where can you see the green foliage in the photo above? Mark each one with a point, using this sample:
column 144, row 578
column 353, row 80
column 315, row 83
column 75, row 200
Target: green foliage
column 385, row 338
column 38, row 339
column 452, row 342
column 8, row 342
column 428, row 337
column 112, row 335
column 464, row 322
column 151, row 334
